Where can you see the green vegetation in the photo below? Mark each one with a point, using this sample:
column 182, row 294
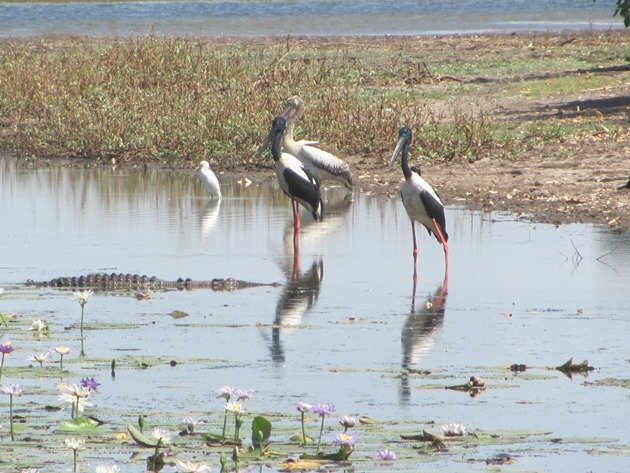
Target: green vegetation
column 178, row 100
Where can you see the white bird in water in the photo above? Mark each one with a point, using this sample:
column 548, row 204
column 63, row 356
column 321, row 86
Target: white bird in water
column 208, row 179
column 295, row 180
column 320, row 160
column 420, row 200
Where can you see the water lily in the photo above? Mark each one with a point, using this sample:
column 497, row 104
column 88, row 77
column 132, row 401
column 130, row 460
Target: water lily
column 191, row 467
column 322, row 410
column 39, row 326
column 107, row 469
column 243, row 394
column 344, row 439
column 385, row 455
column 90, row 383
column 29, row 470
column 161, row 435
column 303, row 408
column 76, row 396
column 75, row 445
column 83, row 296
column 40, row 358
column 11, row 390
column 347, row 422
column 225, row 392
column 6, row 349
column 62, row 350
column 237, row 409
column 453, row 430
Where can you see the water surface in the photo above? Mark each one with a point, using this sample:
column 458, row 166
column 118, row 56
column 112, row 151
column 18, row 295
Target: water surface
column 304, row 17
column 343, row 327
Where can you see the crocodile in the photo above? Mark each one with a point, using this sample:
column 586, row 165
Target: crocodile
column 130, row 282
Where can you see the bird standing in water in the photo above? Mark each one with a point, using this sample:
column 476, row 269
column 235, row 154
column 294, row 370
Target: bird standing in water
column 420, row 200
column 208, row 179
column 295, row 180
column 321, row 161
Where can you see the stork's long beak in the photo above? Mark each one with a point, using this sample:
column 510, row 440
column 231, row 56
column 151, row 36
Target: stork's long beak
column 399, row 146
column 267, row 143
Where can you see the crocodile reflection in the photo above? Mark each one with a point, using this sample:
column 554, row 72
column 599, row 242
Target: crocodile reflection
column 419, row 333
column 298, row 297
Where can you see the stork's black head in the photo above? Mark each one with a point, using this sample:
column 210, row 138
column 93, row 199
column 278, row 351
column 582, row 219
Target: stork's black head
column 279, row 124
column 404, row 132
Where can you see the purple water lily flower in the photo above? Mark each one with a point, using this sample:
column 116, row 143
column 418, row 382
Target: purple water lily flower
column 303, row 407
column 226, row 392
column 386, row 455
column 90, row 383
column 323, row 410
column 6, row 348
column 243, row 394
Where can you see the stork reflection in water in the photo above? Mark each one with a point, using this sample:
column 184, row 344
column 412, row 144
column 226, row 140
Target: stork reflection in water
column 298, row 297
column 419, row 333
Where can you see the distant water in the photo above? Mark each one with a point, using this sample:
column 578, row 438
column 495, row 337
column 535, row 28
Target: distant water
column 305, row 17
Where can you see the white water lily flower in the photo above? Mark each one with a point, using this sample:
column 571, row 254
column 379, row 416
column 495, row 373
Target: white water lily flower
column 83, row 296
column 30, row 470
column 107, row 469
column 191, row 467
column 39, row 326
column 453, row 430
column 75, row 443
column 40, row 357
column 11, row 390
column 161, row 434
column 62, row 350
column 235, row 407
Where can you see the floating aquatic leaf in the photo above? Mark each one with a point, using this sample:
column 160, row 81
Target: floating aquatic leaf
column 140, row 438
column 79, row 424
column 367, row 420
column 300, row 464
column 616, row 382
column 261, row 431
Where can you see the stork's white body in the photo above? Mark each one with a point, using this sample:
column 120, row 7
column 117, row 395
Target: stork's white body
column 293, row 178
column 411, row 192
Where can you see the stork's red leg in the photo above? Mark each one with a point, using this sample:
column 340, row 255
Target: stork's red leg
column 440, row 236
column 296, row 227
column 415, row 252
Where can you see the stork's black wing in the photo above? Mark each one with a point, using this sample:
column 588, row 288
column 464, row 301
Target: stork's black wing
column 435, row 210
column 304, row 190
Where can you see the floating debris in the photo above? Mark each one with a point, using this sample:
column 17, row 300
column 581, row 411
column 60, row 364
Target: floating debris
column 501, row 459
column 436, row 440
column 517, row 367
column 570, row 367
column 474, row 386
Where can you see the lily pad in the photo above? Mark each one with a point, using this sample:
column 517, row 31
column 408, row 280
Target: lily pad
column 79, row 424
column 140, row 438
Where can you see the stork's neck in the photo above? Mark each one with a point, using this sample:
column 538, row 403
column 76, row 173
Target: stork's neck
column 288, row 133
column 404, row 163
column 276, row 149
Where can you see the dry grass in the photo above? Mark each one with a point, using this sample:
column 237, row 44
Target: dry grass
column 178, row 99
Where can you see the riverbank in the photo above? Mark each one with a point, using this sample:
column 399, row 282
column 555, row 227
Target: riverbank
column 535, row 124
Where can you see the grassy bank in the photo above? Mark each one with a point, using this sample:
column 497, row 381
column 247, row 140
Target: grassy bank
column 177, row 99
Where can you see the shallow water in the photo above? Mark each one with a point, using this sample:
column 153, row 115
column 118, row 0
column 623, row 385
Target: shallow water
column 304, row 17
column 342, row 326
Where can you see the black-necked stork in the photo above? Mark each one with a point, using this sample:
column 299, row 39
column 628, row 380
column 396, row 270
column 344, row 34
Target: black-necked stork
column 420, row 200
column 320, row 159
column 208, row 179
column 295, row 180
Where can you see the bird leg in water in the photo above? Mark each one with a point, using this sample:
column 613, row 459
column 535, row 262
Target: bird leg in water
column 440, row 236
column 296, row 226
column 415, row 253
